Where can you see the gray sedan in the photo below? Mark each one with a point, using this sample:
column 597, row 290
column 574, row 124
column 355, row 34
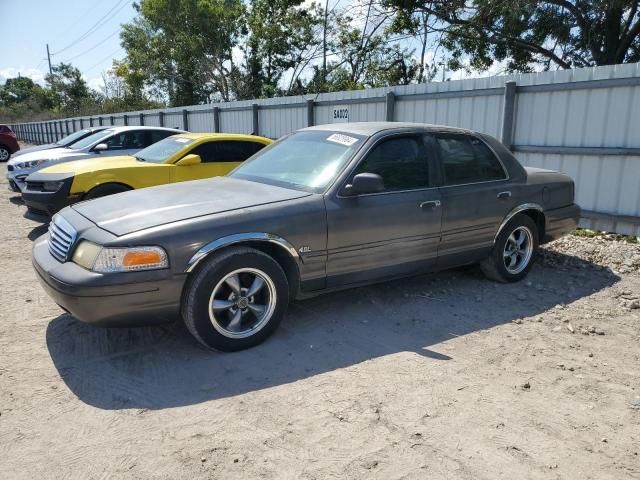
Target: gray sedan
column 328, row 207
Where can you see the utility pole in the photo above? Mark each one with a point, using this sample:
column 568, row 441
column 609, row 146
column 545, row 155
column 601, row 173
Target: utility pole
column 49, row 59
column 324, row 44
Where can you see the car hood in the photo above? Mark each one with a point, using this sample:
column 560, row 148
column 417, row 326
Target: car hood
column 49, row 154
column 77, row 167
column 37, row 148
column 136, row 210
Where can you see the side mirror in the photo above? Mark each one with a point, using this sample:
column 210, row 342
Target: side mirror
column 101, row 147
column 364, row 183
column 191, row 159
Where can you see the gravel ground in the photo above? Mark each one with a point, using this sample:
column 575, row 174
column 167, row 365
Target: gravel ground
column 442, row 376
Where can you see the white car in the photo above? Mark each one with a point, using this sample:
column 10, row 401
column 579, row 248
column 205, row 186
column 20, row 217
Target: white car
column 110, row 142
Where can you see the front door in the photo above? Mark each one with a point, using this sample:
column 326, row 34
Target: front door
column 475, row 197
column 218, row 157
column 390, row 233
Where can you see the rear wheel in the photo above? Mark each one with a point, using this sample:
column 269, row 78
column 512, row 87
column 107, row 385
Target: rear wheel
column 235, row 300
column 513, row 252
column 5, row 154
column 106, row 189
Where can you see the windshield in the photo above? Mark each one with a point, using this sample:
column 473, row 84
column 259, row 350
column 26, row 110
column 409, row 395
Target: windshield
column 160, row 151
column 91, row 139
column 305, row 160
column 69, row 139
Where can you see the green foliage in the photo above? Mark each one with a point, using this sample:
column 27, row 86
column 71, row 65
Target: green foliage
column 529, row 33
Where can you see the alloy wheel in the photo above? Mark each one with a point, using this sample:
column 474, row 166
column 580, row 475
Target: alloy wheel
column 518, row 250
column 242, row 303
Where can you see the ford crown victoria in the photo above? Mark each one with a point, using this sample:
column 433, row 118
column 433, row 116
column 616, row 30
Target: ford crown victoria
column 327, row 207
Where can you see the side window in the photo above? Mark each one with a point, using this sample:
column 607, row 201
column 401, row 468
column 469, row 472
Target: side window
column 207, row 152
column 235, row 151
column 401, row 162
column 467, row 160
column 126, row 140
column 154, row 136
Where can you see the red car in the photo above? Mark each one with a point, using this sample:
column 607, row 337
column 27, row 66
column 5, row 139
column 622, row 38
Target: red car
column 8, row 143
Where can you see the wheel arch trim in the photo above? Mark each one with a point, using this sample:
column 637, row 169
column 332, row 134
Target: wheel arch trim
column 519, row 209
column 240, row 238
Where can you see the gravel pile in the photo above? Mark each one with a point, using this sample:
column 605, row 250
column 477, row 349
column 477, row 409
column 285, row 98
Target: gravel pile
column 599, row 252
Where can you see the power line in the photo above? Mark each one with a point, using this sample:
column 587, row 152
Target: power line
column 95, row 46
column 104, row 19
column 100, row 62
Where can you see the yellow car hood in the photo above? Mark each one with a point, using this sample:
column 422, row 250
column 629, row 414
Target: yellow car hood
column 95, row 164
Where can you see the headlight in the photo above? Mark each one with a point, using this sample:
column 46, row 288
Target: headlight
column 132, row 259
column 52, row 186
column 30, row 164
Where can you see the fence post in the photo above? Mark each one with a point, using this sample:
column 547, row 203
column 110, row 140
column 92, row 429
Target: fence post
column 310, row 113
column 390, row 104
column 508, row 114
column 81, row 121
column 125, row 119
column 141, row 118
column 100, row 121
column 161, row 118
column 256, row 120
column 185, row 119
column 111, row 120
column 90, row 121
column 216, row 119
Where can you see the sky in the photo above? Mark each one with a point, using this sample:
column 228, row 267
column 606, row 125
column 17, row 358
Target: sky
column 82, row 32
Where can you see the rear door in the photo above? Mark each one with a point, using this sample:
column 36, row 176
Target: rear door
column 475, row 197
column 125, row 143
column 394, row 232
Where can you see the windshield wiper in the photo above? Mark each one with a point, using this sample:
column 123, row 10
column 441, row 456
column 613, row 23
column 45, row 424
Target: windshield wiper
column 140, row 159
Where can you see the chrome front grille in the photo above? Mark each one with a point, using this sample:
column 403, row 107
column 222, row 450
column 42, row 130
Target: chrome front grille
column 62, row 236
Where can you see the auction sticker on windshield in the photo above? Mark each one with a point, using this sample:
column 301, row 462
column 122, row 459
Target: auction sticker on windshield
column 342, row 139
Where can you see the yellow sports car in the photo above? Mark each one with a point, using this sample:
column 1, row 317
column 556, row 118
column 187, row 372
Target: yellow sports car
column 188, row 156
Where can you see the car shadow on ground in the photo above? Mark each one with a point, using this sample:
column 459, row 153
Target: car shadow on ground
column 38, row 231
column 16, row 200
column 164, row 367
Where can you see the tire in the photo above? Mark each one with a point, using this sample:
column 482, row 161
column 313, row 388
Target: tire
column 106, row 189
column 5, row 154
column 505, row 268
column 235, row 327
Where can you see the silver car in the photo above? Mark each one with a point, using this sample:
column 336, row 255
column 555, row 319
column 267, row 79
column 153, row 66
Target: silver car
column 110, row 142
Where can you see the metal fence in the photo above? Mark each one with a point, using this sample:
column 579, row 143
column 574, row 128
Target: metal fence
column 585, row 122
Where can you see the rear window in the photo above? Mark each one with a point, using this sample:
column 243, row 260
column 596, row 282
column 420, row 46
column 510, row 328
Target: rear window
column 467, row 159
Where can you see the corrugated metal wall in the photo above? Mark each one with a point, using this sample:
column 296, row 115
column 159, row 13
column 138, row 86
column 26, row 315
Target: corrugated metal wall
column 585, row 122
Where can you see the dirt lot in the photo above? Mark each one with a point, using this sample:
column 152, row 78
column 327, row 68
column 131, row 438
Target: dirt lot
column 442, row 376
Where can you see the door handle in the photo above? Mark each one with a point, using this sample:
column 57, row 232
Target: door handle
column 505, row 194
column 430, row 204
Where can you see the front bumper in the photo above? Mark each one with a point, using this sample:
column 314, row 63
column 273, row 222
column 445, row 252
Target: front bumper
column 16, row 179
column 41, row 203
column 111, row 300
column 560, row 221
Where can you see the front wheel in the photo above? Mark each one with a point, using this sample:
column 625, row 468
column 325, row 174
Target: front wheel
column 235, row 300
column 513, row 252
column 5, row 154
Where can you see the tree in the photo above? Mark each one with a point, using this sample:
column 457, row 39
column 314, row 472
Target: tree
column 283, row 36
column 71, row 93
column 526, row 33
column 183, row 47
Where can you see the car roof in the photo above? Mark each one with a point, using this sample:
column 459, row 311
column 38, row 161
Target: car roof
column 221, row 136
column 371, row 128
column 119, row 129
